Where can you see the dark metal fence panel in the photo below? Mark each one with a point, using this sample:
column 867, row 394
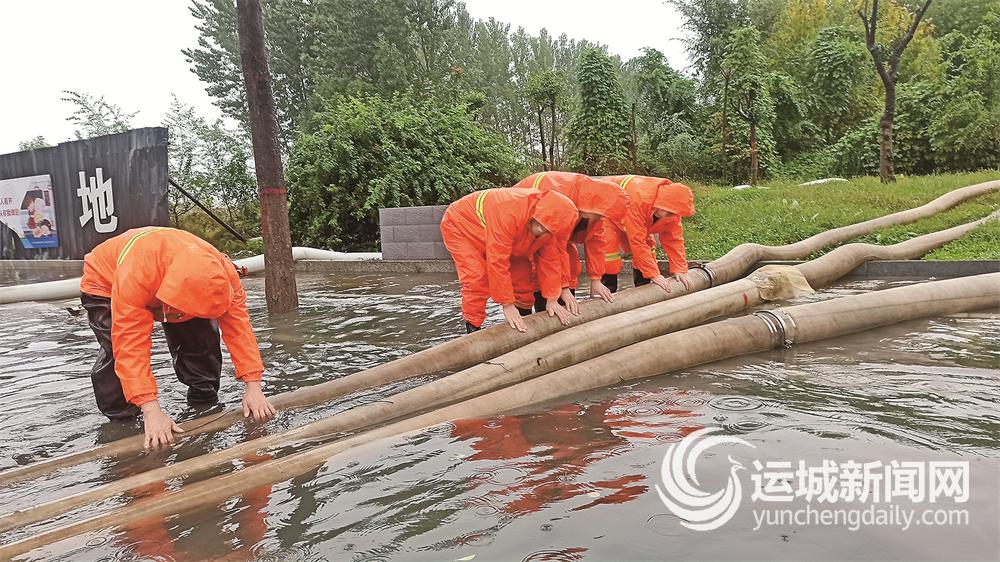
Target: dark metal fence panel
column 124, row 185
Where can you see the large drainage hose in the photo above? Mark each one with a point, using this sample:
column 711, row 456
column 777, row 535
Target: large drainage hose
column 680, row 350
column 543, row 356
column 486, row 344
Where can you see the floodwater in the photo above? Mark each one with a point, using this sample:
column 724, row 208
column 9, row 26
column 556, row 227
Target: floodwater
column 575, row 479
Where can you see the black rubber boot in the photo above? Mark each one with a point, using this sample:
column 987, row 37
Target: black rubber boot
column 637, row 279
column 469, row 328
column 524, row 311
column 610, row 280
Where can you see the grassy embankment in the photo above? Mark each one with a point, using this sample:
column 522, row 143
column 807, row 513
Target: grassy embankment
column 785, row 212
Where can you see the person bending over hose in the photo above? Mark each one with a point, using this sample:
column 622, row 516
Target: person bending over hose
column 595, row 199
column 164, row 274
column 655, row 206
column 495, row 237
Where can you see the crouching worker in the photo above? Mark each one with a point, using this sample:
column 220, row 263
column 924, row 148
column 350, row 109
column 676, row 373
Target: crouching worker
column 655, row 207
column 172, row 276
column 595, row 199
column 496, row 236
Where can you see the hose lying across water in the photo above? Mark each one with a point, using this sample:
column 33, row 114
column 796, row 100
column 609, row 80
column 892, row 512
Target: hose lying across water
column 548, row 354
column 482, row 346
column 756, row 332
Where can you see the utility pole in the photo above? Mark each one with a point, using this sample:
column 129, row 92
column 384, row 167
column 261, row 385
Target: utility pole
column 279, row 272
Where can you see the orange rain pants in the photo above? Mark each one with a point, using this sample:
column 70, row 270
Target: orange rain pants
column 157, row 271
column 488, row 235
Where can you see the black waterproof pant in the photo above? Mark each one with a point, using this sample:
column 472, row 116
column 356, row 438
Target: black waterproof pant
column 194, row 347
column 638, row 280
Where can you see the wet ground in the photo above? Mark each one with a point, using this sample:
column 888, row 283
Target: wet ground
column 570, row 480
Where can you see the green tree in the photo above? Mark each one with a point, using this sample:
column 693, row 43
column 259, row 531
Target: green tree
column 838, row 82
column 965, row 131
column 210, row 162
column 95, row 116
column 366, row 152
column 886, row 59
column 750, row 95
column 662, row 106
column 958, row 15
column 33, row 143
column 599, row 134
column 545, row 89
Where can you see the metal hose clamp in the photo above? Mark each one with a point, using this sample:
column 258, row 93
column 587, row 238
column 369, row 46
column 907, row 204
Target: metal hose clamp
column 779, row 324
column 708, row 272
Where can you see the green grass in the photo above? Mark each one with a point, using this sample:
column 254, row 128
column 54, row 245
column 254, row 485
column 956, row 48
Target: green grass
column 785, row 213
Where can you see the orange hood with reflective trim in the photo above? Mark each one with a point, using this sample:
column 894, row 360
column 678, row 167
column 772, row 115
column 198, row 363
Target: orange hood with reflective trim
column 556, row 213
column 196, row 282
column 589, row 195
column 674, row 197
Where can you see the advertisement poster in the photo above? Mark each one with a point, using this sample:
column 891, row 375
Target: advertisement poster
column 27, row 208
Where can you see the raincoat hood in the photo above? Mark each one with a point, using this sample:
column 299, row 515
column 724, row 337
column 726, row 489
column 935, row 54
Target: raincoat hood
column 676, row 198
column 197, row 283
column 603, row 197
column 556, row 213
column 589, row 195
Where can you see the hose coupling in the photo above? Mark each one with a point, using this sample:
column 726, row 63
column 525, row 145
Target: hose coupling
column 708, row 273
column 781, row 326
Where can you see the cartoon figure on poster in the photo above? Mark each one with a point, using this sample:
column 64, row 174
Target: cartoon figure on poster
column 26, row 207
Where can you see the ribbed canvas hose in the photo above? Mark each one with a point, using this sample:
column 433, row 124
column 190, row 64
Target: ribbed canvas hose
column 487, row 344
column 548, row 354
column 680, row 350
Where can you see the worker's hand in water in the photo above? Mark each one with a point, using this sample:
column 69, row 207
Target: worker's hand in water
column 661, row 282
column 158, row 426
column 553, row 307
column 682, row 278
column 513, row 317
column 598, row 290
column 256, row 404
column 572, row 305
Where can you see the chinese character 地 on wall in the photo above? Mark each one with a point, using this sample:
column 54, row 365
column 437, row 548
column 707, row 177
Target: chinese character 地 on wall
column 98, row 202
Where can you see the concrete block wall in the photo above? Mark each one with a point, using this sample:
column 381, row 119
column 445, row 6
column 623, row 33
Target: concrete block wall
column 412, row 233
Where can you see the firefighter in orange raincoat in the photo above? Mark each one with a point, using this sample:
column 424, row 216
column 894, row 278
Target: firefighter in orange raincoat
column 492, row 232
column 655, row 207
column 164, row 274
column 595, row 199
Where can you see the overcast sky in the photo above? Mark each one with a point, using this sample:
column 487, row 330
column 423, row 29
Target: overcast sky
column 130, row 52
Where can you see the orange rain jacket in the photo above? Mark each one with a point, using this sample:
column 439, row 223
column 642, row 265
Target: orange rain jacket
column 486, row 229
column 645, row 194
column 590, row 195
column 152, row 269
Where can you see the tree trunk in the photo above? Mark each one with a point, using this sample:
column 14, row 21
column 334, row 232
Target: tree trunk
column 541, row 135
column 552, row 137
column 279, row 275
column 753, row 153
column 725, row 125
column 886, row 167
column 633, row 149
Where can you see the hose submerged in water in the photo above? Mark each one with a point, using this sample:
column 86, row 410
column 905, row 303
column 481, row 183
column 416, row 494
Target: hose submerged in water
column 756, row 332
column 548, row 354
